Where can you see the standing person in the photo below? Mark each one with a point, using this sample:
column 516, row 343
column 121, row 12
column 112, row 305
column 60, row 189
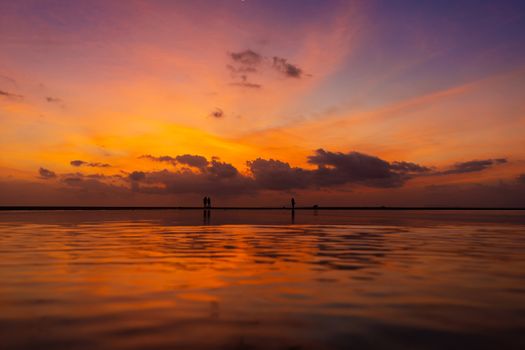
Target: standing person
column 209, row 203
column 293, row 203
column 205, row 202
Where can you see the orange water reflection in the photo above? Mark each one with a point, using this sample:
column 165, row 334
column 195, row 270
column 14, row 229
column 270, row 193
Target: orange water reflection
column 135, row 284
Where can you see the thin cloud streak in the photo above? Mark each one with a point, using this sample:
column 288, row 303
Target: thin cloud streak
column 79, row 163
column 10, row 95
column 472, row 166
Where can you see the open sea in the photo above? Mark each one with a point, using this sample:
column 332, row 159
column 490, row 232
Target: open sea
column 188, row 279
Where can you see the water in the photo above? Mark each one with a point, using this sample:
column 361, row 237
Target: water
column 262, row 280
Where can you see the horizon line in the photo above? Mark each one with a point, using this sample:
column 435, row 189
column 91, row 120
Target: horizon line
column 97, row 207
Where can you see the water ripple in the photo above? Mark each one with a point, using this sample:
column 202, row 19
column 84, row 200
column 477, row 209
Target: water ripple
column 145, row 284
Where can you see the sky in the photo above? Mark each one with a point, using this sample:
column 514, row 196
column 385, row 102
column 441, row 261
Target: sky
column 395, row 103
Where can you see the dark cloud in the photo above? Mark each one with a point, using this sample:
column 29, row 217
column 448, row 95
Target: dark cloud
column 192, row 160
column 333, row 169
column 137, row 176
column 288, row 69
column 221, row 169
column 472, row 166
column 408, row 167
column 46, row 173
column 196, row 161
column 217, row 113
column 246, row 57
column 245, row 63
column 10, row 95
column 53, row 99
column 218, row 179
column 338, row 168
column 165, row 159
column 276, row 175
column 358, row 164
column 72, row 181
column 78, row 163
column 196, row 174
column 213, row 177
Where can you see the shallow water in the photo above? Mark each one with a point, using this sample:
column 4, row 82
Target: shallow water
column 262, row 280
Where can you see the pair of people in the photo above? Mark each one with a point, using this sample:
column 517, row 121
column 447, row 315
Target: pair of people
column 206, row 202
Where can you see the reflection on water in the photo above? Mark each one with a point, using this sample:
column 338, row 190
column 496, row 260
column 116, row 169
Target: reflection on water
column 144, row 281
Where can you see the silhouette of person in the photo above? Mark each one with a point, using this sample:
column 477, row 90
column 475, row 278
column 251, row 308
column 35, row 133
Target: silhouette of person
column 205, row 202
column 209, row 202
column 293, row 203
column 206, row 217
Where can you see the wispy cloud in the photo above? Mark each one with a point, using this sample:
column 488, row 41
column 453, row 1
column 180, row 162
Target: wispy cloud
column 217, row 113
column 53, row 99
column 46, row 173
column 472, row 166
column 166, row 159
column 248, row 58
column 196, row 161
column 10, row 95
column 288, row 69
column 79, row 163
column 244, row 64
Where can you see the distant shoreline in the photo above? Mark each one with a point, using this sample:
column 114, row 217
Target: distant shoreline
column 78, row 208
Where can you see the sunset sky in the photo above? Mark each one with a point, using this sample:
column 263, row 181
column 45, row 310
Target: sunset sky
column 252, row 102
